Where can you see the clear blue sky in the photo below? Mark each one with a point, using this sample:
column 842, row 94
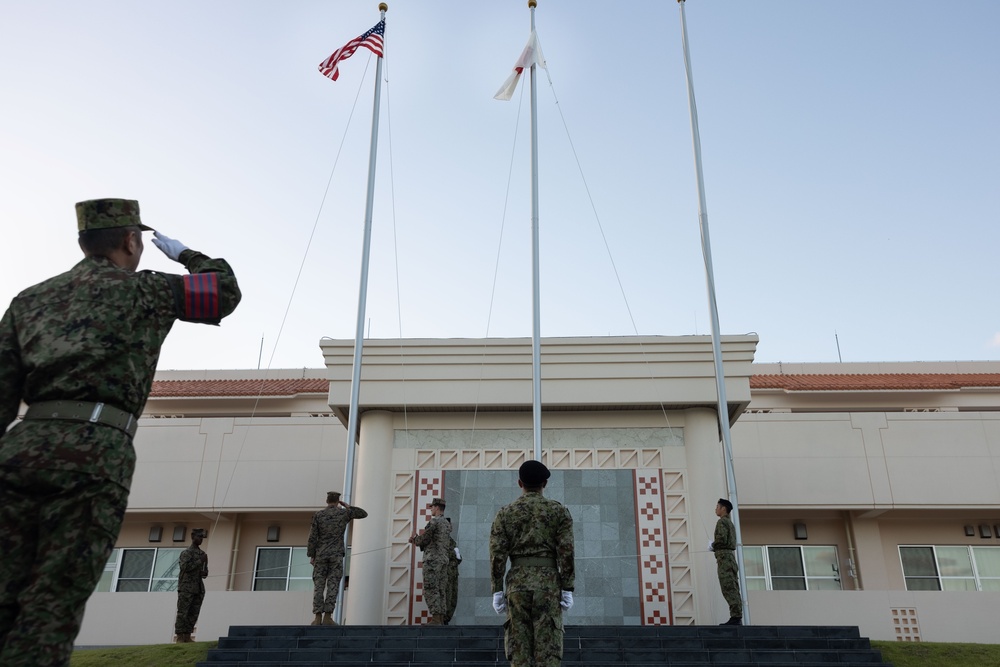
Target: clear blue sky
column 850, row 159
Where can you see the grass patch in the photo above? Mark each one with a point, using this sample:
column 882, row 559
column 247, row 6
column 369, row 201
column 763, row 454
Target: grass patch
column 937, row 654
column 154, row 655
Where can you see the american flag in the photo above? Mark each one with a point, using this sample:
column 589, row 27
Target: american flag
column 371, row 40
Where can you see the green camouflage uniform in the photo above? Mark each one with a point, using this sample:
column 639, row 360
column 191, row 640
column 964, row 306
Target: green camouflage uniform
column 91, row 334
column 453, row 563
column 193, row 565
column 326, row 548
column 724, row 546
column 435, row 542
column 538, row 528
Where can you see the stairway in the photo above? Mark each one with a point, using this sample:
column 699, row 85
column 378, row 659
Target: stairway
column 584, row 646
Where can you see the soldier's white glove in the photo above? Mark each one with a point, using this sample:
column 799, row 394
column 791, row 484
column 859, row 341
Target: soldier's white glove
column 566, row 600
column 499, row 604
column 710, row 547
column 172, row 248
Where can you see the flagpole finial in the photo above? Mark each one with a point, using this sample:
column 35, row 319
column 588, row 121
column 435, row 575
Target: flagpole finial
column 532, row 4
column 382, row 7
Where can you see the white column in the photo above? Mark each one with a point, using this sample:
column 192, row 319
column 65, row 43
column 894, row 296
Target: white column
column 706, row 474
column 372, row 491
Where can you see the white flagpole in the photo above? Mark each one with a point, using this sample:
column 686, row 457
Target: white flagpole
column 352, row 419
column 720, row 385
column 536, row 347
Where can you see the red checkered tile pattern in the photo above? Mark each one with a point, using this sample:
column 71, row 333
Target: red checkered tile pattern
column 650, row 521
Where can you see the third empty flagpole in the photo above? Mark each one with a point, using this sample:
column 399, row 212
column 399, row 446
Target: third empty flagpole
column 536, row 327
column 720, row 382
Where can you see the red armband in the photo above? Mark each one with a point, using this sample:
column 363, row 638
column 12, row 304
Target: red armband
column 201, row 297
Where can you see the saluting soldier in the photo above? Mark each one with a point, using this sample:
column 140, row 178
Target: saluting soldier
column 724, row 546
column 193, row 568
column 326, row 554
column 435, row 541
column 536, row 534
column 80, row 349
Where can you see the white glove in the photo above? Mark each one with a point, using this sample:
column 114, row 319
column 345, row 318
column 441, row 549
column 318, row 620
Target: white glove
column 710, row 543
column 458, row 555
column 172, row 248
column 499, row 605
column 566, row 600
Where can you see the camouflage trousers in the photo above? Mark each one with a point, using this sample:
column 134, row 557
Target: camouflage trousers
column 452, row 592
column 533, row 632
column 729, row 580
column 327, row 574
column 188, row 607
column 436, row 585
column 58, row 530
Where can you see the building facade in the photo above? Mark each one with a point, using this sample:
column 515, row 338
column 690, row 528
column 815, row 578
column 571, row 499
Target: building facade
column 869, row 494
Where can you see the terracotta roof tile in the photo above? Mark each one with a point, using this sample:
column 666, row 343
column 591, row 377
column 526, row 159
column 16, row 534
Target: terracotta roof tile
column 237, row 388
column 875, row 382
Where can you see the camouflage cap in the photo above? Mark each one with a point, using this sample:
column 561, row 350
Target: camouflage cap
column 199, row 532
column 439, row 502
column 106, row 213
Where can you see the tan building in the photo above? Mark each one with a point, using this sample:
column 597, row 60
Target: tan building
column 869, row 494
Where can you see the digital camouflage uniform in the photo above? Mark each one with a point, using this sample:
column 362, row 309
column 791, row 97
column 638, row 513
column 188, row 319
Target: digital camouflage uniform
column 91, row 334
column 453, row 563
column 536, row 528
column 436, row 542
column 326, row 546
column 724, row 546
column 193, row 568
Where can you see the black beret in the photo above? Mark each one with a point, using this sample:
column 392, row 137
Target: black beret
column 725, row 503
column 533, row 473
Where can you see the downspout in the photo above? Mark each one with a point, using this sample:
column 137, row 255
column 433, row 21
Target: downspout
column 236, row 552
column 852, row 559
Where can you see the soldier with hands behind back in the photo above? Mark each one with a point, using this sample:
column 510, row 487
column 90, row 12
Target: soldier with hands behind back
column 192, row 570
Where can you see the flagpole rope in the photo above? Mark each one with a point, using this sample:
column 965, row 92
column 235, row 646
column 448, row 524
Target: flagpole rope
column 604, row 238
column 284, row 319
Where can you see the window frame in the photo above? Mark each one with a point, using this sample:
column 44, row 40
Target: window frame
column 971, row 550
column 164, row 584
column 768, row 577
column 304, row 582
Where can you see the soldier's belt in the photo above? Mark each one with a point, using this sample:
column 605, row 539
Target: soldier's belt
column 530, row 561
column 83, row 411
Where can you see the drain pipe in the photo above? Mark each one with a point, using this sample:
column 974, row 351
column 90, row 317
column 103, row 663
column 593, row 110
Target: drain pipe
column 852, row 561
column 236, row 552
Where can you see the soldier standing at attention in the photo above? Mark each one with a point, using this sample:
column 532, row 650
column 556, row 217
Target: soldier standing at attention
column 326, row 554
column 724, row 546
column 536, row 534
column 193, row 565
column 80, row 349
column 435, row 541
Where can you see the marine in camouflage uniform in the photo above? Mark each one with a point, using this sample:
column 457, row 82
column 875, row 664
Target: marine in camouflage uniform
column 454, row 560
column 536, row 535
column 193, row 568
column 435, row 541
column 724, row 546
column 80, row 349
column 326, row 554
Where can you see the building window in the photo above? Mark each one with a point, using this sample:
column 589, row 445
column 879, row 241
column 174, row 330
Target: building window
column 282, row 569
column 791, row 568
column 140, row 570
column 950, row 568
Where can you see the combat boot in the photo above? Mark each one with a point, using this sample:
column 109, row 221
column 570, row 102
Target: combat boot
column 328, row 619
column 184, row 638
column 735, row 620
column 435, row 620
column 318, row 620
